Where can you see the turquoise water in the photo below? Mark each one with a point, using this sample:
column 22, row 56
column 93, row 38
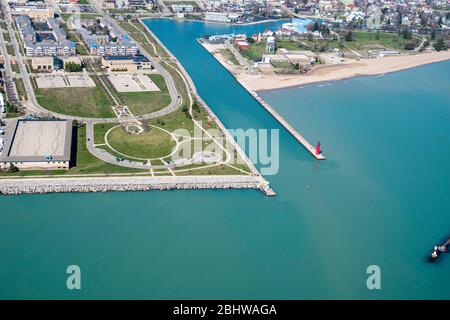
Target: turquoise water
column 380, row 198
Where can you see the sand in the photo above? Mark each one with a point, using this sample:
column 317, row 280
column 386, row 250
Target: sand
column 363, row 67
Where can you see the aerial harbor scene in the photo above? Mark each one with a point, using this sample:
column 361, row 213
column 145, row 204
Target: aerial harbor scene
column 225, row 149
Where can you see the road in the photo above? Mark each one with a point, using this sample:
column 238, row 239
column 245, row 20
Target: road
column 175, row 101
column 7, row 65
column 33, row 105
column 241, row 59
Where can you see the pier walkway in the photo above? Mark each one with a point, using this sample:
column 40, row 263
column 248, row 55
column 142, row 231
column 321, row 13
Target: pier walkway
column 308, row 146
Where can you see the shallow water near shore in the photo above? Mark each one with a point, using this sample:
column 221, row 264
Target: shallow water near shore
column 381, row 198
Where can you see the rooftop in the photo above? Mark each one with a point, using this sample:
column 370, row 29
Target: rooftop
column 36, row 140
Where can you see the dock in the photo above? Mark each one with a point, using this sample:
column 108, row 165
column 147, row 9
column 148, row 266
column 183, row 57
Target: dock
column 308, row 146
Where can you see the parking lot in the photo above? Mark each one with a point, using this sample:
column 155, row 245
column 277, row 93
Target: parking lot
column 132, row 83
column 50, row 82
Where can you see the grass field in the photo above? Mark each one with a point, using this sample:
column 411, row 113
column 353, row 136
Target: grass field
column 10, row 50
column 372, row 40
column 15, row 68
column 137, row 35
column 362, row 40
column 256, row 51
column 85, row 163
column 143, row 102
column 153, row 143
column 6, row 36
column 82, row 102
column 21, row 89
column 229, row 56
column 186, row 2
column 66, row 16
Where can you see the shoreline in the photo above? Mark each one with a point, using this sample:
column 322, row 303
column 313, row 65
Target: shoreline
column 191, row 86
column 330, row 73
column 219, row 22
column 252, row 86
column 131, row 182
column 301, row 139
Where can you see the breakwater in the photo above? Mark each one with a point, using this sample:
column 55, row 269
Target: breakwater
column 15, row 186
column 308, row 146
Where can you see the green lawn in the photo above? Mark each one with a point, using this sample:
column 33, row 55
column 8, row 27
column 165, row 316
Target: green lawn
column 256, row 51
column 142, row 102
column 21, row 89
column 146, row 102
column 186, row 2
column 363, row 40
column 139, row 37
column 15, row 68
column 229, row 56
column 85, row 163
column 153, row 143
column 6, row 36
column 66, row 16
column 82, row 102
column 10, row 50
column 80, row 48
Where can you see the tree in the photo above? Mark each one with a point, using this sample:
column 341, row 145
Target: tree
column 407, row 35
column 440, row 45
column 433, row 34
column 12, row 168
column 316, row 26
column 349, row 36
column 410, row 46
column 72, row 67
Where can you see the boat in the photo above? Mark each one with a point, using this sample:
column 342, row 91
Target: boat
column 439, row 250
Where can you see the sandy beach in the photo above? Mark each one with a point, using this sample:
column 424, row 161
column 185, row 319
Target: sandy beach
column 363, row 67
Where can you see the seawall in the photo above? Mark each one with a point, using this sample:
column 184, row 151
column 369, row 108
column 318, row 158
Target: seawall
column 15, row 186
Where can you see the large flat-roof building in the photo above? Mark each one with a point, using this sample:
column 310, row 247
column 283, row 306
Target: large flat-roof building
column 38, row 144
column 59, row 46
column 34, row 11
column 44, row 63
column 130, row 63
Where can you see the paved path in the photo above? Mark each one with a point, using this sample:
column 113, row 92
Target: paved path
column 33, row 105
column 249, row 69
column 109, row 158
column 4, row 51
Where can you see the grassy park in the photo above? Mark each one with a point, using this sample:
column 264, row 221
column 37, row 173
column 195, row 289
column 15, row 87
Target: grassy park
column 360, row 40
column 21, row 89
column 363, row 40
column 145, row 101
column 152, row 143
column 85, row 163
column 84, row 102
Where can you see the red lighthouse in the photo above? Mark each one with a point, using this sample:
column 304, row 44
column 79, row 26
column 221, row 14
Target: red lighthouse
column 318, row 148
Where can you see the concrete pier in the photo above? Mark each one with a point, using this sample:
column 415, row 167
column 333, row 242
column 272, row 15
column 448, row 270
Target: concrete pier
column 308, row 146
